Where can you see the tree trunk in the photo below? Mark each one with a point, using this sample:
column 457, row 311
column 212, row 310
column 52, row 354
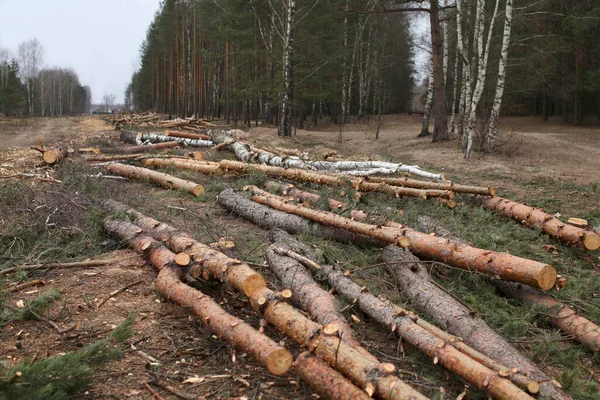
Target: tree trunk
column 186, row 135
column 428, row 103
column 451, row 315
column 533, row 217
column 158, row 138
column 130, row 137
column 562, row 316
column 440, row 131
column 504, row 265
column 236, row 332
column 142, row 148
column 147, row 175
column 203, row 167
column 492, row 135
column 285, row 126
column 54, row 155
column 456, row 188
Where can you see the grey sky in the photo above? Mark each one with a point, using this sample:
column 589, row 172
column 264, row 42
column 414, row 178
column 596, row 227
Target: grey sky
column 98, row 39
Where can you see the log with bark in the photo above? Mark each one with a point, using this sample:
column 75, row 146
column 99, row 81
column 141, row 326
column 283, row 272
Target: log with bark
column 158, row 138
column 337, row 166
column 148, row 175
column 54, row 155
column 373, row 377
column 130, row 137
column 236, row 332
column 142, row 148
column 533, row 217
column 203, row 167
column 187, row 135
column 466, row 257
column 565, row 318
column 407, row 182
column 332, row 180
column 414, row 281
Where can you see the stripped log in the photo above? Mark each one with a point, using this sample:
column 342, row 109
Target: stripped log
column 373, row 377
column 142, row 148
column 326, row 381
column 187, row 135
column 54, row 155
column 533, row 217
column 407, row 182
column 565, row 318
column 240, row 335
column 307, row 295
column 332, row 180
column 203, row 167
column 148, row 175
column 466, row 257
column 451, row 315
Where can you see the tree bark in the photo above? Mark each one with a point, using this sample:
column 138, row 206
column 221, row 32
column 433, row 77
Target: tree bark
column 158, row 138
column 148, row 175
column 440, row 131
column 54, row 155
column 451, row 315
column 562, row 316
column 459, row 255
column 186, row 135
column 236, row 332
column 457, row 188
column 285, row 126
column 428, row 102
column 203, row 167
column 532, row 217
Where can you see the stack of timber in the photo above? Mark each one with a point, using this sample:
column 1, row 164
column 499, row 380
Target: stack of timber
column 501, row 265
column 146, row 137
column 374, row 377
column 533, row 217
column 140, row 120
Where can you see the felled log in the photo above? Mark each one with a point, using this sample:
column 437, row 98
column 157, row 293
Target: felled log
column 236, row 332
column 187, row 135
column 414, row 281
column 203, row 167
column 533, row 217
column 336, row 166
column 332, row 180
column 321, row 305
column 326, row 381
column 158, row 138
column 54, row 155
column 373, row 377
column 504, row 265
column 148, row 175
column 129, row 137
column 407, row 182
column 142, row 148
column 565, row 318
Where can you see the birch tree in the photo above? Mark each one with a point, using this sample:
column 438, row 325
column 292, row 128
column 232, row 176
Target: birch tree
column 30, row 57
column 285, row 126
column 428, row 103
column 492, row 133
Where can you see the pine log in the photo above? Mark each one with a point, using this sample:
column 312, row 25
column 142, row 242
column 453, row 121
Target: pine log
column 326, row 381
column 187, row 135
column 54, row 155
column 119, row 157
column 562, row 316
column 414, row 281
column 533, row 217
column 269, row 218
column 404, row 326
column 407, row 182
column 203, row 167
column 504, row 265
column 130, row 137
column 371, row 376
column 240, row 335
column 307, row 295
column 165, row 180
column 142, row 148
column 332, row 180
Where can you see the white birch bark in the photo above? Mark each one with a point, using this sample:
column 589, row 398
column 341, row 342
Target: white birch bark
column 147, row 137
column 445, row 45
column 340, row 166
column 428, row 104
column 345, row 76
column 285, row 125
column 482, row 55
column 455, row 97
column 495, row 113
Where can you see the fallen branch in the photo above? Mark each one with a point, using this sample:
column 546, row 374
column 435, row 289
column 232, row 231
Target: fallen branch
column 173, row 391
column 165, row 180
column 143, row 148
column 116, row 292
column 26, row 285
column 78, row 264
column 533, row 217
column 153, row 392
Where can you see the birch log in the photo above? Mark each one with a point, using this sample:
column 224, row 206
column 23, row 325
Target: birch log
column 148, row 175
column 335, row 166
column 159, row 138
column 130, row 137
column 371, row 376
column 533, row 217
column 236, row 332
column 414, row 281
column 466, row 257
column 54, row 155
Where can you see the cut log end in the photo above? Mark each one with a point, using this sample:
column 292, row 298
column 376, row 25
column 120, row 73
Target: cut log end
column 50, row 157
column 592, row 241
column 404, row 242
column 183, row 259
column 253, row 283
column 547, row 278
column 533, row 387
column 199, row 190
column 279, row 362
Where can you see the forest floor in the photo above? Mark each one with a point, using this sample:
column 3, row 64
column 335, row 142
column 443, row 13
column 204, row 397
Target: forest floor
column 545, row 164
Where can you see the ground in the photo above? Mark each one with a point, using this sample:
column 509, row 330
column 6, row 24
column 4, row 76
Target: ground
column 542, row 163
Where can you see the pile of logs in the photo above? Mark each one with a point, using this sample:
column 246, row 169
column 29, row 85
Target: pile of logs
column 151, row 120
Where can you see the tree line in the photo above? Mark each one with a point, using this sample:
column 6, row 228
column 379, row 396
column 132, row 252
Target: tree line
column 29, row 89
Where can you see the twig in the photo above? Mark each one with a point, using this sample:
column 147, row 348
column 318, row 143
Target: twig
column 301, row 259
column 26, row 285
column 53, row 324
column 79, row 264
column 154, row 394
column 181, row 395
column 116, row 292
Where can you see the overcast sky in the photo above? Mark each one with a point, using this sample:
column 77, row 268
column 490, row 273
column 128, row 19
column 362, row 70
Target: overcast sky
column 100, row 40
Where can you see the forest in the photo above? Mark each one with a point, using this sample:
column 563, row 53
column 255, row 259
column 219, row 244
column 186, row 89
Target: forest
column 29, row 89
column 290, row 63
